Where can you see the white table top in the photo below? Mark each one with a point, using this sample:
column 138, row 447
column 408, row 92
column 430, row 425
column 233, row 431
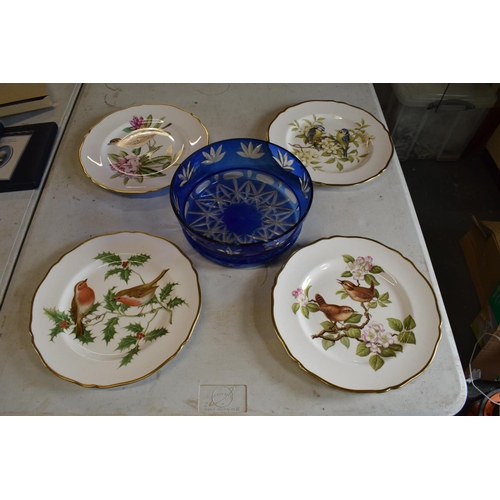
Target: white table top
column 234, row 342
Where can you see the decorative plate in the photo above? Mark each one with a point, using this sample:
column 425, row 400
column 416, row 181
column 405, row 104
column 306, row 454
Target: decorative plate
column 115, row 309
column 356, row 314
column 137, row 149
column 340, row 144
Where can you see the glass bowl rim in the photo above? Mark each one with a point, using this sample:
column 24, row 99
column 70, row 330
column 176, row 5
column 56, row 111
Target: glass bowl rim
column 242, row 245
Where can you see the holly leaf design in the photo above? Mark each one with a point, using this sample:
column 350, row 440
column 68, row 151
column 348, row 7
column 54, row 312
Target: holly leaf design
column 86, row 337
column 127, row 342
column 138, row 260
column 109, row 300
column 61, row 321
column 135, row 328
column 177, row 301
column 109, row 258
column 112, row 271
column 167, row 290
column 110, row 329
column 128, row 357
column 155, row 334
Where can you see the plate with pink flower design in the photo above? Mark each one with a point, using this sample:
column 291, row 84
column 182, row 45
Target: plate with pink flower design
column 137, row 149
column 356, row 314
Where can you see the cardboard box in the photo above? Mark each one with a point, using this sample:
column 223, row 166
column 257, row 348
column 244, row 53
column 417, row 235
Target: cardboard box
column 481, row 247
column 23, row 97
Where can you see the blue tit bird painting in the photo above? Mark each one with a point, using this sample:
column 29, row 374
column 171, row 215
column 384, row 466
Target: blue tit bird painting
column 343, row 139
column 314, row 135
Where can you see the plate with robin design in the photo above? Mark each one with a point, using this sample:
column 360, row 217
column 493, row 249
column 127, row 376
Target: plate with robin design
column 115, row 309
column 137, row 149
column 340, row 144
column 356, row 314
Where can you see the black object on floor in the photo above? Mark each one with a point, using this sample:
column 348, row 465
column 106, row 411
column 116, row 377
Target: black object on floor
column 446, row 195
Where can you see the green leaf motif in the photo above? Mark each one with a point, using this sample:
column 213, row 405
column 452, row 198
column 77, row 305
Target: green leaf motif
column 346, row 274
column 313, row 307
column 111, row 271
column 305, row 311
column 110, row 329
column 167, row 290
column 109, row 300
column 407, row 338
column 295, row 307
column 306, row 291
column 155, row 334
column 409, row 323
column 362, row 350
column 345, row 341
column 127, row 342
column 376, row 362
column 109, row 258
column 327, row 325
column 348, row 258
column 56, row 316
column 128, row 357
column 125, row 274
column 376, row 270
column 396, row 347
column 354, row 318
column 86, row 337
column 135, row 328
column 369, row 278
column 327, row 344
column 138, row 260
column 353, row 333
column 395, row 324
column 386, row 352
column 176, row 301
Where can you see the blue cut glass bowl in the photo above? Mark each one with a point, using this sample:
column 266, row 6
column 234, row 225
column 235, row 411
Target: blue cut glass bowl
column 241, row 202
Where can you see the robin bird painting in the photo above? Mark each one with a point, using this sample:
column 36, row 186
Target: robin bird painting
column 139, row 295
column 83, row 300
column 140, row 137
column 358, row 293
column 333, row 312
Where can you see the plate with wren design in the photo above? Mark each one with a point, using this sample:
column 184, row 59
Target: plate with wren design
column 356, row 314
column 340, row 144
column 137, row 149
column 115, row 309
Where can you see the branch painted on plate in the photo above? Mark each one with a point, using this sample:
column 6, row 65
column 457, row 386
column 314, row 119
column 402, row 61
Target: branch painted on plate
column 113, row 310
column 344, row 323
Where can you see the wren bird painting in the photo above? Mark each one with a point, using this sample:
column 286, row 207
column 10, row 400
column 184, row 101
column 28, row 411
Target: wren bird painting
column 334, row 312
column 358, row 293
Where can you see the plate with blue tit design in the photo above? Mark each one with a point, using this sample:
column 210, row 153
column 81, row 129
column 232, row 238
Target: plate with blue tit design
column 340, row 144
column 356, row 314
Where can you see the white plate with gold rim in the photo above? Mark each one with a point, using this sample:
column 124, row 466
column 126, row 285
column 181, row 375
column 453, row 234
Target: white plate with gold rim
column 356, row 314
column 340, row 144
column 115, row 309
column 137, row 149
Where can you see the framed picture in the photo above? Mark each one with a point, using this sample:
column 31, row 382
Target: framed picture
column 24, row 152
